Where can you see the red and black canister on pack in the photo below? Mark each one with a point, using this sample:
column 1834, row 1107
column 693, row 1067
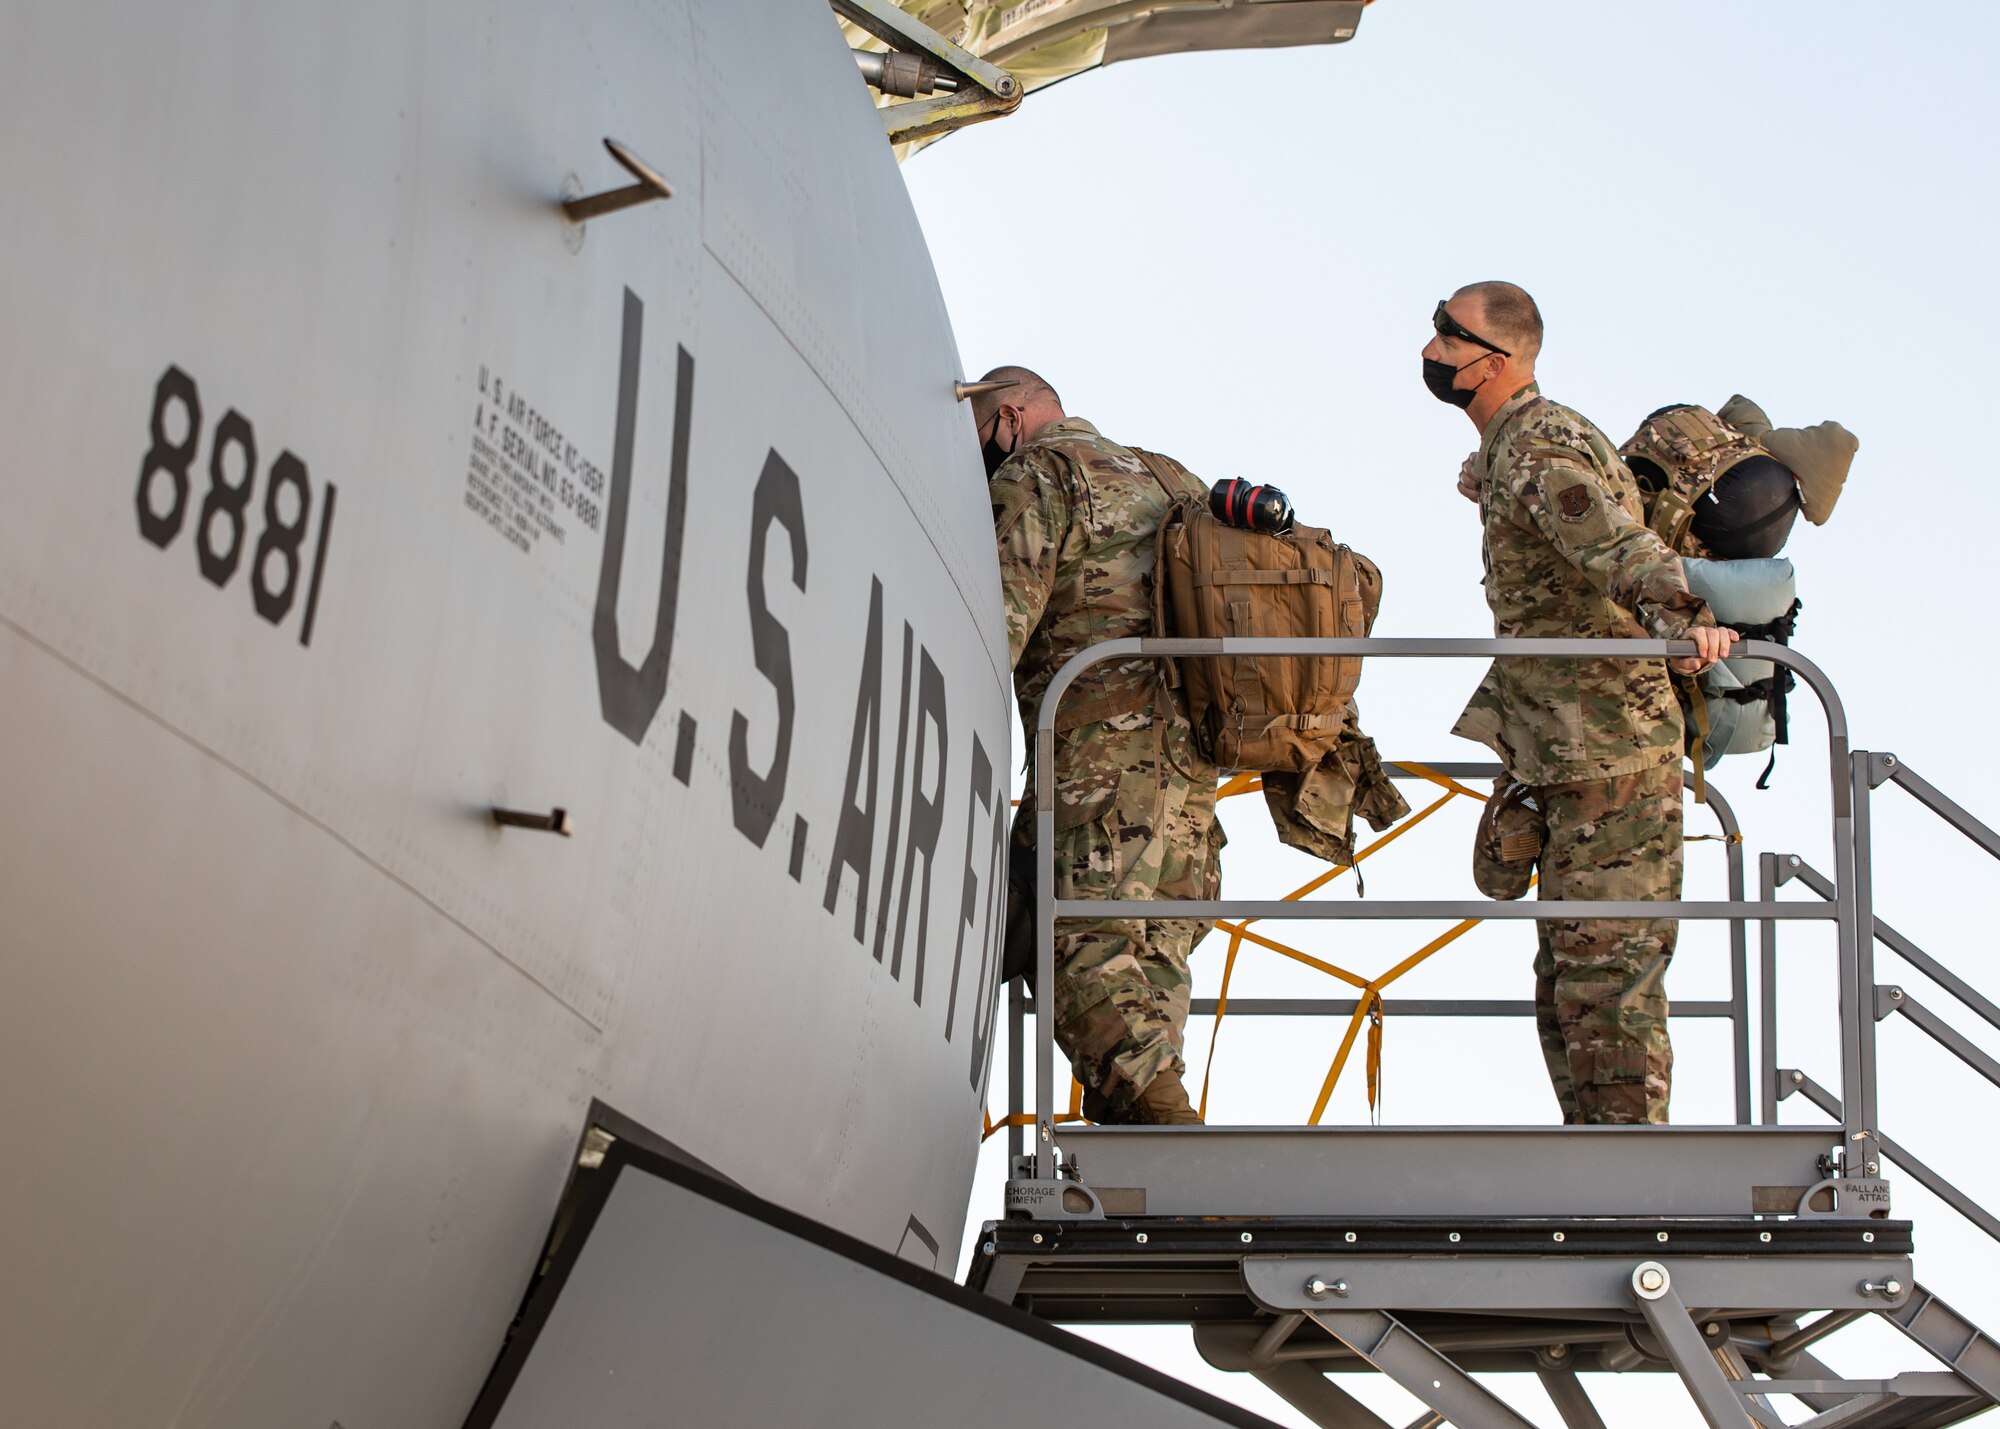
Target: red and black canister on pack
column 1250, row 506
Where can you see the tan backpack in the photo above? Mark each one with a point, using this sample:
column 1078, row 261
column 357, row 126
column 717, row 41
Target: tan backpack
column 1263, row 713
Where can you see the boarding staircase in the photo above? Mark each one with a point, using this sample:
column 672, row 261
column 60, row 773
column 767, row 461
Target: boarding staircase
column 1432, row 1255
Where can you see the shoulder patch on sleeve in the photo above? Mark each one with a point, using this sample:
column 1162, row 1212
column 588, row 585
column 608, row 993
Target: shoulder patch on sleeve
column 1011, row 499
column 1584, row 511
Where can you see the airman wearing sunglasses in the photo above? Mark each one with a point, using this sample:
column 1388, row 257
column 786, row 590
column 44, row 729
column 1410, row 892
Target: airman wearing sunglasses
column 1597, row 742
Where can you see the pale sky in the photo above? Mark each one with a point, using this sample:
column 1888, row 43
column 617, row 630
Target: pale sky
column 1233, row 258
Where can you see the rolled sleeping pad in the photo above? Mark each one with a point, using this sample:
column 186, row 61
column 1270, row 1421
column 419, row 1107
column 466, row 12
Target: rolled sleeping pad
column 1744, row 415
column 1820, row 457
column 1740, row 593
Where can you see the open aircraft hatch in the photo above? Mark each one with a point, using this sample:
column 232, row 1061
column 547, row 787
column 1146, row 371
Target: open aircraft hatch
column 677, row 1298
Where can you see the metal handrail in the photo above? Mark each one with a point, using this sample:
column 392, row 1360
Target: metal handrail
column 1857, row 1040
column 1404, row 910
column 1876, row 1002
column 1936, row 800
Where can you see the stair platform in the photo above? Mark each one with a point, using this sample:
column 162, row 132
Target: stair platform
column 1194, row 1269
column 1729, row 1304
column 1472, row 1171
column 1429, row 1254
column 1720, row 1255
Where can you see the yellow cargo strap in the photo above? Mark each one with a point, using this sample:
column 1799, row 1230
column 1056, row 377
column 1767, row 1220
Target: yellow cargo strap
column 1221, row 1007
column 1240, row 784
column 1027, row 1118
column 1239, row 933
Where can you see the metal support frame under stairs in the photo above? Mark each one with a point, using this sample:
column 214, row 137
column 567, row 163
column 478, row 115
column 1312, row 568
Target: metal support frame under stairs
column 1434, row 1254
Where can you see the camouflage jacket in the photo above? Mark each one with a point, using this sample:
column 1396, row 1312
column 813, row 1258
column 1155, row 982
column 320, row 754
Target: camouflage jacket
column 1568, row 555
column 1075, row 515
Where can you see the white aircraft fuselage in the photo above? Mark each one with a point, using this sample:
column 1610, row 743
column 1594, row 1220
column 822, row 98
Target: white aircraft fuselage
column 351, row 492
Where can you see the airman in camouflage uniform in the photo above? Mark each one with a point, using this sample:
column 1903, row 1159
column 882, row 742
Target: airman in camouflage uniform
column 1599, row 742
column 1075, row 515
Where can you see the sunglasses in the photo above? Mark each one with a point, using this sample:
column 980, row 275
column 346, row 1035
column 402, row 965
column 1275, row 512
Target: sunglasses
column 1449, row 326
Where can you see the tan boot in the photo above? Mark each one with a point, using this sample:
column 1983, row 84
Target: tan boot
column 1164, row 1102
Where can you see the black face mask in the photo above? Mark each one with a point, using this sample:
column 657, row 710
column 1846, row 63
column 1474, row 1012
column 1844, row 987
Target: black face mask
column 1438, row 378
column 994, row 455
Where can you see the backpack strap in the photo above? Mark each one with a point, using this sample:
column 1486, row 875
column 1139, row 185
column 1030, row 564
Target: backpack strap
column 1152, row 464
column 1692, row 447
column 1697, row 704
column 1156, row 467
column 1305, row 575
column 1670, row 513
column 1159, row 468
column 1170, row 670
column 1780, row 630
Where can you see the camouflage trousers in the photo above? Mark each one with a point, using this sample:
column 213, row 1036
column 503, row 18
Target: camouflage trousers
column 1135, row 820
column 1600, row 983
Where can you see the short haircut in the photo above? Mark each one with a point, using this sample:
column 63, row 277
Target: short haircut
column 1509, row 316
column 1027, row 387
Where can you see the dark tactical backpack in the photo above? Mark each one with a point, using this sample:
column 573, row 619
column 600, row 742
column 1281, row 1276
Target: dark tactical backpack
column 1213, row 579
column 1679, row 456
